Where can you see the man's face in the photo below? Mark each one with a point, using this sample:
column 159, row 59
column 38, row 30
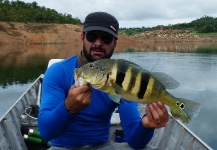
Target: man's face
column 98, row 45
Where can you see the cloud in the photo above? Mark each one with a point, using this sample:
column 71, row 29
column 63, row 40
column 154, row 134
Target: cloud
column 137, row 13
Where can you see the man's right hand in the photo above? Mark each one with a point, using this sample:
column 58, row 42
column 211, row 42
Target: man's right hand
column 78, row 98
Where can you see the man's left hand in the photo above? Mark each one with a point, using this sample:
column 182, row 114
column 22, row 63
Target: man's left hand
column 156, row 115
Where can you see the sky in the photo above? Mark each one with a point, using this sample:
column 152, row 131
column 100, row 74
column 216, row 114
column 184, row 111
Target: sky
column 136, row 13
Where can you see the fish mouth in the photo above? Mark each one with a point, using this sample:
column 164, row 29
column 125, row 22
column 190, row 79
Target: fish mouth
column 77, row 74
column 80, row 82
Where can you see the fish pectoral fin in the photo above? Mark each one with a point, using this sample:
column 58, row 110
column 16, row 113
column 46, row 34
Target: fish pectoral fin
column 114, row 94
column 118, row 89
column 115, row 97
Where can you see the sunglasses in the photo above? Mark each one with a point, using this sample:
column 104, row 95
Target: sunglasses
column 105, row 37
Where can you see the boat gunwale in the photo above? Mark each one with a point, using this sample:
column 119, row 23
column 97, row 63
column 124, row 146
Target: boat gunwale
column 191, row 132
column 15, row 103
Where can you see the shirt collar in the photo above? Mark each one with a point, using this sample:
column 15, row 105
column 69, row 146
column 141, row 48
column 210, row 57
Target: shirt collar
column 82, row 60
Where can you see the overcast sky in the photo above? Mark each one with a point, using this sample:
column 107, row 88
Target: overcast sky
column 137, row 13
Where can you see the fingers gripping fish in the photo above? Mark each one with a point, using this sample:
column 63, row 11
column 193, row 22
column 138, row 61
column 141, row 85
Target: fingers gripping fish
column 124, row 79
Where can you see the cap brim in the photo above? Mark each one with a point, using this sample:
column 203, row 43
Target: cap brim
column 94, row 28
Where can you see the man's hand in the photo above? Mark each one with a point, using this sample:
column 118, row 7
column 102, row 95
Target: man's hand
column 78, row 98
column 156, row 115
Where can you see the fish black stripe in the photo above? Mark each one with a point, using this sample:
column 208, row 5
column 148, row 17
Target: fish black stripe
column 120, row 78
column 121, row 73
column 143, row 85
column 134, row 72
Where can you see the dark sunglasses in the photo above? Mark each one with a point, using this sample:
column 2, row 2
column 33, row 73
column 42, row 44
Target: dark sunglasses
column 106, row 37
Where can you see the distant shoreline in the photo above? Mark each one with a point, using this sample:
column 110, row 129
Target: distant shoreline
column 43, row 33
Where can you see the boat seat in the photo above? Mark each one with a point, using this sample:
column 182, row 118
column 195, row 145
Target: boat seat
column 52, row 61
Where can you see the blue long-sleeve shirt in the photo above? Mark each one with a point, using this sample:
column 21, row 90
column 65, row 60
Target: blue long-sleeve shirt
column 89, row 126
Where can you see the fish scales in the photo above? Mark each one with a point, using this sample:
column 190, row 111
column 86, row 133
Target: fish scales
column 136, row 87
column 126, row 80
column 132, row 80
column 154, row 91
column 120, row 74
column 143, row 85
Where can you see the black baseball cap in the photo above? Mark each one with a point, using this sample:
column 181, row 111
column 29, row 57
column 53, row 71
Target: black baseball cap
column 101, row 21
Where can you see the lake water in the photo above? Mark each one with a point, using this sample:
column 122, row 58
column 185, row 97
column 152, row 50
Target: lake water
column 196, row 73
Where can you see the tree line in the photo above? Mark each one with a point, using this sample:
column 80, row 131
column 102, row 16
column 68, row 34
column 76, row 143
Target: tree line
column 19, row 11
column 205, row 24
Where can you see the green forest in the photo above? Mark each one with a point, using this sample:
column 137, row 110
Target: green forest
column 204, row 25
column 19, row 11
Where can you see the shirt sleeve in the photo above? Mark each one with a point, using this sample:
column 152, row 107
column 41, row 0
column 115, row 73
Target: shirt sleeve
column 135, row 134
column 53, row 116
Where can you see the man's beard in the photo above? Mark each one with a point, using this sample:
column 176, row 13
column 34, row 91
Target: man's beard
column 91, row 58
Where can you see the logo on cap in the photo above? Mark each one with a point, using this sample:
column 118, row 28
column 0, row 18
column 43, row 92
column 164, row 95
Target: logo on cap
column 112, row 27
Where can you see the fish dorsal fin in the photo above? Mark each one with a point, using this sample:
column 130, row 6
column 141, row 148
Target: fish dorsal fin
column 167, row 81
column 130, row 63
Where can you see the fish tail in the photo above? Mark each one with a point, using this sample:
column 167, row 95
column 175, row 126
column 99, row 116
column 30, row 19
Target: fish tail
column 185, row 109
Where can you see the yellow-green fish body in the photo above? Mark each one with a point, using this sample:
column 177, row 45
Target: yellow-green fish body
column 124, row 79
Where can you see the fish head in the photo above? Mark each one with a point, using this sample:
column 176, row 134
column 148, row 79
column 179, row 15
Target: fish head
column 94, row 73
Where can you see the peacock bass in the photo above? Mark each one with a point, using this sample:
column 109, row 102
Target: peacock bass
column 127, row 80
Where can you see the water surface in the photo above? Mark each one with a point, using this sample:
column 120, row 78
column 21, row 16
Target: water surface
column 195, row 72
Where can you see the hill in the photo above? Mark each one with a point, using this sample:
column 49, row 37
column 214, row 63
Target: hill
column 19, row 11
column 28, row 23
column 44, row 33
column 22, row 34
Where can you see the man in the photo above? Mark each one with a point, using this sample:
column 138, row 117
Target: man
column 74, row 117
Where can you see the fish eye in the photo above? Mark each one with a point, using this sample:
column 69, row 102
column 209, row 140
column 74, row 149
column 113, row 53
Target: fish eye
column 91, row 65
column 177, row 103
